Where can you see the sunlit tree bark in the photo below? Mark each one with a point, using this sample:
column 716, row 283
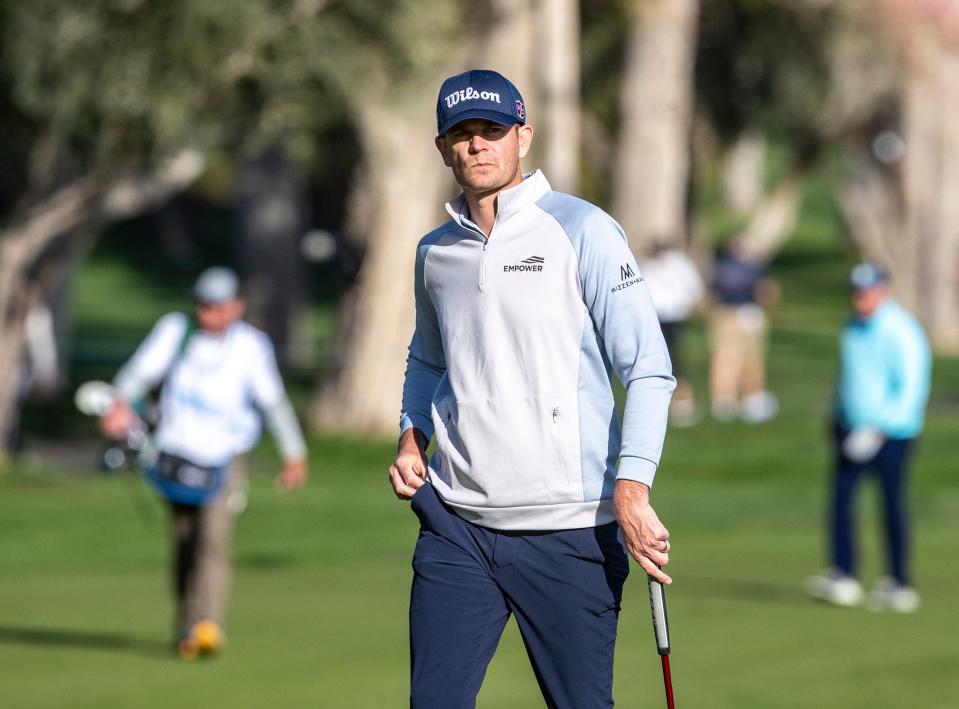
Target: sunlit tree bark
column 652, row 156
column 399, row 197
column 900, row 197
column 31, row 238
column 559, row 104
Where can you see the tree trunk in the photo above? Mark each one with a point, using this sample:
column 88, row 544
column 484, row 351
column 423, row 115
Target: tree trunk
column 21, row 248
column 871, row 202
column 405, row 190
column 903, row 212
column 774, row 218
column 930, row 186
column 652, row 169
column 271, row 206
column 68, row 213
column 403, row 186
column 743, row 172
column 559, row 104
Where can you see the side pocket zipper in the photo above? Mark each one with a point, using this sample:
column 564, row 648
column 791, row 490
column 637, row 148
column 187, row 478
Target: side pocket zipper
column 558, row 441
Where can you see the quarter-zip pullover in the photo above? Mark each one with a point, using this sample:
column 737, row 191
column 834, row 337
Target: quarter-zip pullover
column 885, row 370
column 517, row 335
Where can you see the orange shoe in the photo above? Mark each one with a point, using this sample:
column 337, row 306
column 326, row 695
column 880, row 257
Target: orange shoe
column 205, row 639
column 209, row 637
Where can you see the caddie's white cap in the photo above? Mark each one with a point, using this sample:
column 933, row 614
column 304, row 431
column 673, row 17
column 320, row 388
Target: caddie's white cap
column 216, row 285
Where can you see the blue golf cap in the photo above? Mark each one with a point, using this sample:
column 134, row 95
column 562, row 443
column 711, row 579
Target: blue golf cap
column 478, row 93
column 867, row 275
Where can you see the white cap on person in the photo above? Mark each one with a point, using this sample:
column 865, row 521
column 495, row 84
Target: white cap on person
column 216, row 285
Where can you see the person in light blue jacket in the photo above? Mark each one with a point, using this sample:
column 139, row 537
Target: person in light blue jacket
column 527, row 302
column 884, row 379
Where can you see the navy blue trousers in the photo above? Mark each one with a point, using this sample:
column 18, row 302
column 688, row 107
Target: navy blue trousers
column 563, row 587
column 889, row 466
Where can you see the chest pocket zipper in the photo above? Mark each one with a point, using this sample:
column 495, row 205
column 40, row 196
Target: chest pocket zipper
column 558, row 442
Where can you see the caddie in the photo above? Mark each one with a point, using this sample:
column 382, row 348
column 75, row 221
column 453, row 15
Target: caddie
column 218, row 376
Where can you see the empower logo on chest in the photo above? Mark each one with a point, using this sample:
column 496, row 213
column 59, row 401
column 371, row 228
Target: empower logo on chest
column 532, row 264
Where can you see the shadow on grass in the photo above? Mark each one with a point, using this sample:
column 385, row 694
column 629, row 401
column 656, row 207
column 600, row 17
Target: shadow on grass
column 82, row 639
column 265, row 561
column 743, row 590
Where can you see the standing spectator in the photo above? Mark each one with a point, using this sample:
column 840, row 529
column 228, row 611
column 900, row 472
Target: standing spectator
column 884, row 376
column 218, row 374
column 742, row 293
column 527, row 300
column 676, row 289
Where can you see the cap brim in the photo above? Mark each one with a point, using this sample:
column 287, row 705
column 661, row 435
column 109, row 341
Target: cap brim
column 482, row 113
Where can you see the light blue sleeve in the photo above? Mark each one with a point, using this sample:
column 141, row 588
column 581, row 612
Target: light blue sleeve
column 911, row 361
column 426, row 362
column 622, row 311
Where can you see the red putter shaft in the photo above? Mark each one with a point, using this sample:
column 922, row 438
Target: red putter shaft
column 668, row 680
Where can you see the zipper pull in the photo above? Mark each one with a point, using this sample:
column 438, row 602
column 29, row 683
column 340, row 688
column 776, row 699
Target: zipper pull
column 555, row 414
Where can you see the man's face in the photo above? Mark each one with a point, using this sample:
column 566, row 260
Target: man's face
column 484, row 156
column 217, row 317
column 866, row 300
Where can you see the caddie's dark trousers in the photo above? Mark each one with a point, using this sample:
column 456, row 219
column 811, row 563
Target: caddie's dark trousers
column 890, row 466
column 563, row 587
column 201, row 555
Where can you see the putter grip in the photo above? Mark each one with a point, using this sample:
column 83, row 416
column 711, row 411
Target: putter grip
column 657, row 604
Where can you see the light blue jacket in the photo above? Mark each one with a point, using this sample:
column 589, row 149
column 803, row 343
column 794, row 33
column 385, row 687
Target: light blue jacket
column 885, row 369
column 509, row 366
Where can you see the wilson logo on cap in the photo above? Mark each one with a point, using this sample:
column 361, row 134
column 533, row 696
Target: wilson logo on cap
column 471, row 94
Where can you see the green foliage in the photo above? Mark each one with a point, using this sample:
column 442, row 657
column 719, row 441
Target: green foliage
column 603, row 46
column 369, row 50
column 122, row 83
column 763, row 64
column 604, row 27
column 116, row 81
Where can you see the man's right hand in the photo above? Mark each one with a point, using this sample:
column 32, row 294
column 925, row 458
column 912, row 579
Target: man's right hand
column 409, row 470
column 117, row 422
column 646, row 538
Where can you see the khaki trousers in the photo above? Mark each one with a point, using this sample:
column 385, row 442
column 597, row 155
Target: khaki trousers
column 202, row 565
column 738, row 341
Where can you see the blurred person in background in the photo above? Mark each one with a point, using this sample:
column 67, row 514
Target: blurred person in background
column 676, row 289
column 884, row 379
column 218, row 376
column 742, row 293
column 526, row 301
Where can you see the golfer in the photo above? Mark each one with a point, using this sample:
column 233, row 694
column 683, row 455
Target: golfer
column 885, row 368
column 218, row 375
column 526, row 301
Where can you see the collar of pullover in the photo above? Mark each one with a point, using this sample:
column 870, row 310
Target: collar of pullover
column 508, row 202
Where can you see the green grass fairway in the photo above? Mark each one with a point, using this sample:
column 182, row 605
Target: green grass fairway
column 318, row 616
